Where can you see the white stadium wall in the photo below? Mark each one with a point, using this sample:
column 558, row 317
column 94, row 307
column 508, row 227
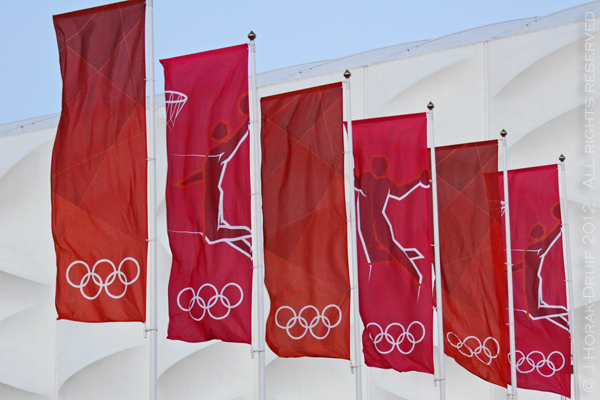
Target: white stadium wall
column 525, row 76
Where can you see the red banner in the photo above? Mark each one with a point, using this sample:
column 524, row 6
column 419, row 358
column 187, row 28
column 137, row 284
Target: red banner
column 98, row 175
column 472, row 259
column 208, row 196
column 543, row 344
column 306, row 252
column 393, row 203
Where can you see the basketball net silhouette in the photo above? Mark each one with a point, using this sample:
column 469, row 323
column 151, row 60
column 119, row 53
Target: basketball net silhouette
column 174, row 102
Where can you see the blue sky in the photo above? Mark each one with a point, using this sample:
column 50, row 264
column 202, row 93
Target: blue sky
column 289, row 33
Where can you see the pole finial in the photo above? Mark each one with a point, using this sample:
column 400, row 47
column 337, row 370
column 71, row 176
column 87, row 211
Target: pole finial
column 252, row 35
column 430, row 106
column 503, row 133
column 347, row 74
column 562, row 158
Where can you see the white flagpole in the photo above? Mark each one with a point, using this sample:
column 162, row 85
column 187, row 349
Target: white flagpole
column 257, row 233
column 565, row 231
column 511, row 307
column 349, row 166
column 152, row 266
column 438, row 270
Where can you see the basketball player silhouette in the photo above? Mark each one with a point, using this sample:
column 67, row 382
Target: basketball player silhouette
column 375, row 229
column 223, row 146
column 532, row 263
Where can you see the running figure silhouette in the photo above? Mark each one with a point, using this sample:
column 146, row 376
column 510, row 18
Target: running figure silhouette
column 374, row 227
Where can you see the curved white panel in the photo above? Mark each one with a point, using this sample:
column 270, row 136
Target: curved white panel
column 511, row 56
column 26, row 246
column 549, row 139
column 541, row 92
column 12, row 393
column 18, row 294
column 83, row 344
column 459, row 83
column 15, row 147
column 310, row 378
column 388, row 82
column 122, row 375
column 27, row 349
column 527, row 79
column 228, row 364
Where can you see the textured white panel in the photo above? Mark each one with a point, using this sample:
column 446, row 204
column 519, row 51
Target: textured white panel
column 378, row 393
column 18, row 294
column 308, row 378
column 122, row 375
column 82, row 344
column 542, row 91
column 221, row 371
column 15, row 147
column 26, row 247
column 12, row 393
column 511, row 56
column 525, row 76
column 389, row 81
column 27, row 348
column 456, row 83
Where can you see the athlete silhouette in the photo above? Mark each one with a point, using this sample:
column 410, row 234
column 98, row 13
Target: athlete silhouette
column 375, row 229
column 223, row 146
column 532, row 263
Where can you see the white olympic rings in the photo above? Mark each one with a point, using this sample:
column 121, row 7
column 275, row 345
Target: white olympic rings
column 395, row 343
column 305, row 324
column 476, row 348
column 97, row 279
column 207, row 305
column 531, row 365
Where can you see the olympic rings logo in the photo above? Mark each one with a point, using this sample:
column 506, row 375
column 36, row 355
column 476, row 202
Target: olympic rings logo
column 303, row 322
column 395, row 343
column 472, row 346
column 206, row 306
column 532, row 365
column 92, row 275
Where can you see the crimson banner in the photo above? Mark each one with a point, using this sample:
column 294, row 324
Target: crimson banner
column 393, row 203
column 98, row 173
column 208, row 196
column 305, row 234
column 543, row 344
column 472, row 259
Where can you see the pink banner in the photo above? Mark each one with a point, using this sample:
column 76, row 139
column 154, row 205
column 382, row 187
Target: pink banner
column 393, row 203
column 208, row 196
column 543, row 344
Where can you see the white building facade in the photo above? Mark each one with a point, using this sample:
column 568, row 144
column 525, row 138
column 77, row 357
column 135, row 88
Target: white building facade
column 533, row 77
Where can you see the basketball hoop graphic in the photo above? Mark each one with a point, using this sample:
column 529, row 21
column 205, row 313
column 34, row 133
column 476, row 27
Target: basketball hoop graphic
column 174, row 102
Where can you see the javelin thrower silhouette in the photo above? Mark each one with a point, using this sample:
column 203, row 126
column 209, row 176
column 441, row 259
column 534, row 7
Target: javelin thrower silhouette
column 532, row 264
column 216, row 228
column 374, row 227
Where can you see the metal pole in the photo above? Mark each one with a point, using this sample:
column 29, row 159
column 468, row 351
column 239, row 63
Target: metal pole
column 349, row 166
column 438, row 270
column 565, row 231
column 257, row 233
column 511, row 307
column 152, row 269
